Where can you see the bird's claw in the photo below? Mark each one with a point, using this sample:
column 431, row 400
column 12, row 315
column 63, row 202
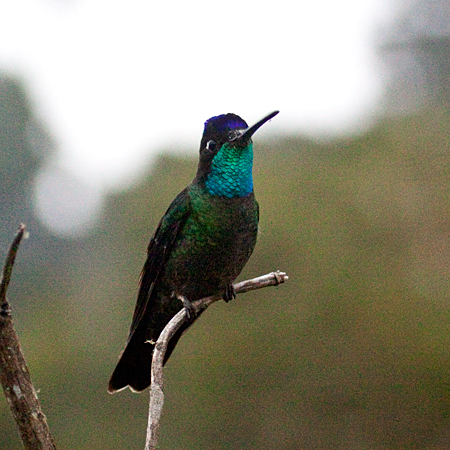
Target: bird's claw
column 229, row 293
column 190, row 310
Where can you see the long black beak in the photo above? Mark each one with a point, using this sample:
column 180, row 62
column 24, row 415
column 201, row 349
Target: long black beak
column 248, row 133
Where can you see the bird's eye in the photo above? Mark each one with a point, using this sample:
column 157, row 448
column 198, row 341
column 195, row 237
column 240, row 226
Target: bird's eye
column 211, row 146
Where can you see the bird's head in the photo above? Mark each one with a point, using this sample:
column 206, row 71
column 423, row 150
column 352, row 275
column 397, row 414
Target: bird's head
column 226, row 155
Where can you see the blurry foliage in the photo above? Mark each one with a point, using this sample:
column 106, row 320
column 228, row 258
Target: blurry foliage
column 416, row 51
column 353, row 352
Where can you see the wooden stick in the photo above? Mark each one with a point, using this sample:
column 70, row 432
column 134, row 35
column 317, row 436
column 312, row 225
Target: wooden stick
column 14, row 375
column 157, row 381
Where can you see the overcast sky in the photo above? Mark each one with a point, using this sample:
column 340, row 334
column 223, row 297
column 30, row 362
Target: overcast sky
column 116, row 81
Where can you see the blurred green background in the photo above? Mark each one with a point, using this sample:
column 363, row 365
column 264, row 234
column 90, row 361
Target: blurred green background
column 352, row 353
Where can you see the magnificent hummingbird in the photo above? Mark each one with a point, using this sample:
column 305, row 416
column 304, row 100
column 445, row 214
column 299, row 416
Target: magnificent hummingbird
column 200, row 246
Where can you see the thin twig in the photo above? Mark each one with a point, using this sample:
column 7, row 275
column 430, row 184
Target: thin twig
column 14, row 375
column 157, row 381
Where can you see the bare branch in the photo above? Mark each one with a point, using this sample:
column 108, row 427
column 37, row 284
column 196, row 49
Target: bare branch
column 14, row 375
column 157, row 381
column 9, row 263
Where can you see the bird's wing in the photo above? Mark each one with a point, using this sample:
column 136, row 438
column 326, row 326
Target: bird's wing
column 158, row 250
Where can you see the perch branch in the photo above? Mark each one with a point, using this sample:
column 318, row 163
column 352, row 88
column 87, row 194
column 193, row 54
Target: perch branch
column 14, row 375
column 156, row 387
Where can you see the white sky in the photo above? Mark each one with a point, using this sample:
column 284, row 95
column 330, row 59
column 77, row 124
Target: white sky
column 115, row 81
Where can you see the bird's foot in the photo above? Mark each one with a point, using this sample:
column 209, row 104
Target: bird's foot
column 229, row 293
column 190, row 310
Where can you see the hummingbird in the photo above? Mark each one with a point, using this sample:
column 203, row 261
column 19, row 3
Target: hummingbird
column 200, row 246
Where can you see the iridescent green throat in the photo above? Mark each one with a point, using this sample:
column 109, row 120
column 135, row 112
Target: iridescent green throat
column 231, row 172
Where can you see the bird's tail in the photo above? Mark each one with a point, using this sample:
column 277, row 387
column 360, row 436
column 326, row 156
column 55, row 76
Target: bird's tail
column 135, row 363
column 134, row 366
